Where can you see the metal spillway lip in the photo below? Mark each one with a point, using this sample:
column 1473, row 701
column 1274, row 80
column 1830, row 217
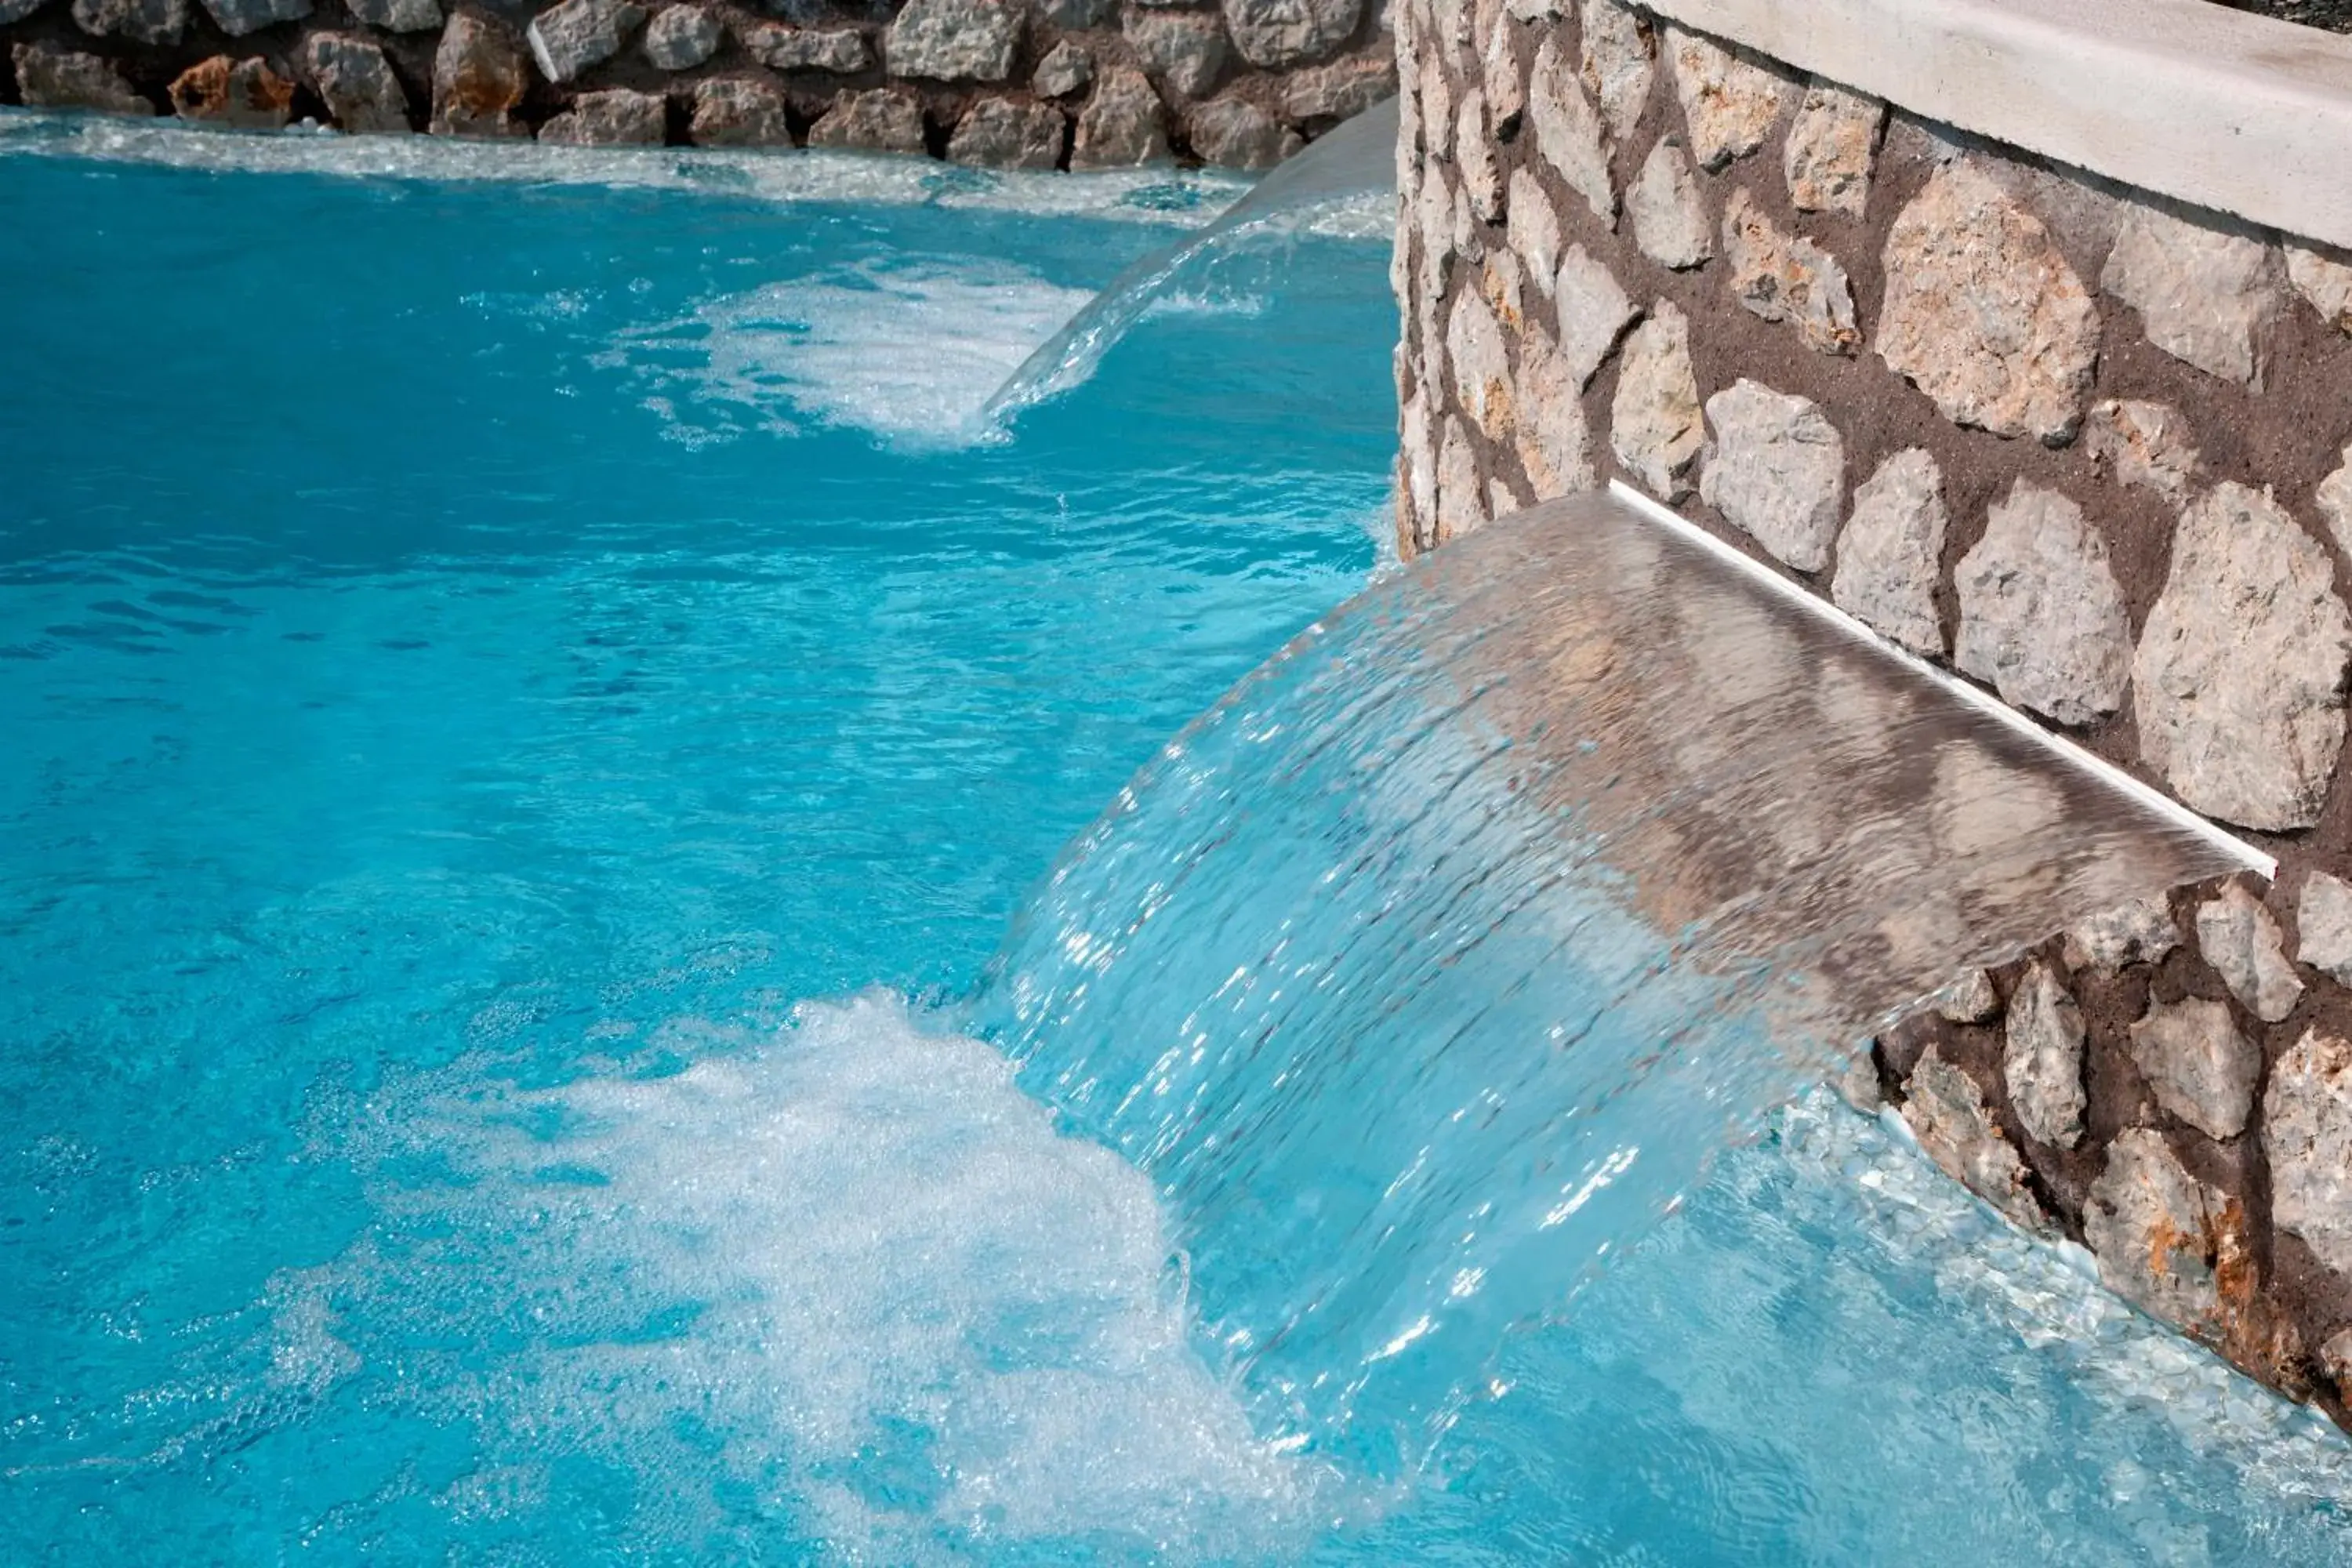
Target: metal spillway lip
column 2065, row 751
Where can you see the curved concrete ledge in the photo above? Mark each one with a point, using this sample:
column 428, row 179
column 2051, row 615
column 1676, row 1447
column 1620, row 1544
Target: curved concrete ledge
column 2236, row 113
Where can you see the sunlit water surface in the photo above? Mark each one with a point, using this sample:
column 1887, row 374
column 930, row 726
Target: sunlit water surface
column 528, row 705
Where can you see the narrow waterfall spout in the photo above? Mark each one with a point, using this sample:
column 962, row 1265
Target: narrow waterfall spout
column 1352, row 165
column 1441, row 953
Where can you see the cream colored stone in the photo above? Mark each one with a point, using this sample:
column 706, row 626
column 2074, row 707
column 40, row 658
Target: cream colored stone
column 1729, row 101
column 2205, row 295
column 1618, row 61
column 1983, row 315
column 2335, row 499
column 1555, row 445
column 1567, row 130
column 1890, row 557
column 2042, row 616
column 2242, row 942
column 2200, row 1068
column 1473, row 155
column 1786, row 278
column 1655, row 425
column 1776, row 469
column 2141, row 930
column 1669, row 216
column 1534, row 229
column 1480, row 364
column 2143, row 443
column 1461, row 499
column 1831, row 146
column 2322, row 919
column 2239, row 681
column 2325, row 282
column 2307, row 1133
column 2149, row 1223
column 1594, row 312
column 1946, row 1111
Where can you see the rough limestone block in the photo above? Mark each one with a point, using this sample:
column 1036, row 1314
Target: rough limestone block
column 1480, row 365
column 1122, row 124
column 1946, row 1111
column 1436, row 100
column 242, row 94
column 568, row 38
column 2322, row 919
column 398, row 15
column 478, row 78
column 1501, row 280
column 2334, row 498
column 843, row 51
column 2325, row 282
column 1654, row 423
column 1234, row 133
column 1555, row 445
column 141, row 21
column 1983, row 315
column 1594, row 312
column 2335, row 1359
column 1970, row 999
column 1890, row 556
column 1832, row 145
column 1776, row 471
column 1481, row 175
column 2141, row 930
column 356, row 83
column 2239, row 680
column 2144, row 444
column 2201, row 1069
column 614, row 117
column 2150, row 1225
column 2238, row 937
column 51, row 77
column 1786, row 278
column 1670, row 222
column 1417, row 454
column 1618, row 61
column 879, row 119
column 1502, row 79
column 954, row 40
column 2205, row 296
column 1568, row 130
column 1066, row 69
column 1278, row 33
column 1184, row 53
column 1534, row 229
column 681, row 38
column 1001, row 133
column 2042, row 1059
column 2041, row 617
column 1462, row 500
column 2307, row 1133
column 1728, row 103
column 739, row 111
column 1341, row 90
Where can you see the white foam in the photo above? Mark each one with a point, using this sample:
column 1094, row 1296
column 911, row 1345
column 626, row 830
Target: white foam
column 909, row 354
column 1163, row 196
column 879, row 1234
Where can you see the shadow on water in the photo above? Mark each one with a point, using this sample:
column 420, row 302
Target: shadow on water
column 1441, row 956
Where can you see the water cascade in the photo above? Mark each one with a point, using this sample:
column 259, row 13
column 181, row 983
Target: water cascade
column 1442, row 953
column 1345, row 169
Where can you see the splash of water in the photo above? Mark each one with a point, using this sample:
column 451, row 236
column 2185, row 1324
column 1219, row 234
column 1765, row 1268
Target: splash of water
column 1439, row 957
column 1343, row 183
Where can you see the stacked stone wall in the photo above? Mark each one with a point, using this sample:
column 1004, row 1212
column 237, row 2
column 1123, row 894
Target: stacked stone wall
column 996, row 83
column 2089, row 447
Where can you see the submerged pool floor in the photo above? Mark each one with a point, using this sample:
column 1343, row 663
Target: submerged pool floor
column 527, row 704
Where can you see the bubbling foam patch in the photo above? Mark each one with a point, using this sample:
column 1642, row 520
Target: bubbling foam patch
column 908, row 354
column 864, row 1271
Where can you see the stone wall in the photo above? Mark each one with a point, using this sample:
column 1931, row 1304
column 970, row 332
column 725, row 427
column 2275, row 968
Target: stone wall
column 999, row 83
column 2082, row 444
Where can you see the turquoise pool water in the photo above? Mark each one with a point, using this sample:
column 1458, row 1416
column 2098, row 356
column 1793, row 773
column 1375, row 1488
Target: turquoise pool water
column 530, row 705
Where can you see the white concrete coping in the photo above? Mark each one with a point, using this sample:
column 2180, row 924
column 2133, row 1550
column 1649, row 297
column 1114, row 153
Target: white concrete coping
column 2236, row 113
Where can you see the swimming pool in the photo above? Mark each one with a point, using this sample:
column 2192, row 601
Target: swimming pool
column 531, row 703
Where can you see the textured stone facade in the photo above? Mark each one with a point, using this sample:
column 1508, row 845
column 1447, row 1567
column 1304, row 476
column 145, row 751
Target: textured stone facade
column 1016, row 84
column 2082, row 445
